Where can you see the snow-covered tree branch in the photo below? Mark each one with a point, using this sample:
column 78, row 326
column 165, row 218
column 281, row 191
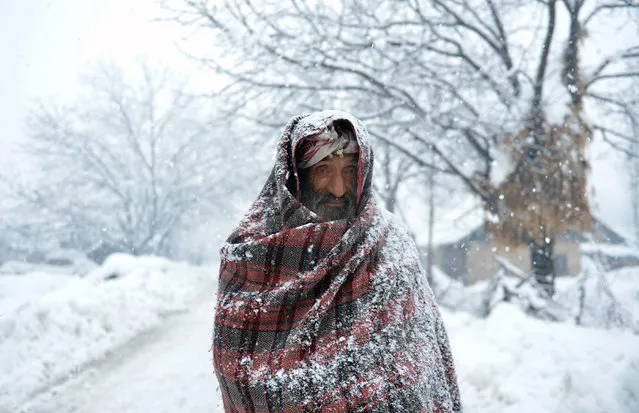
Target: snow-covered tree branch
column 497, row 89
column 125, row 167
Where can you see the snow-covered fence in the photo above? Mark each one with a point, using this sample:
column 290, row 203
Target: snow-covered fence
column 524, row 290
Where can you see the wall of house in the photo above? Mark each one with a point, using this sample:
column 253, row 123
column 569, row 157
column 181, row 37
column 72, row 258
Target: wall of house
column 452, row 260
column 481, row 264
column 573, row 257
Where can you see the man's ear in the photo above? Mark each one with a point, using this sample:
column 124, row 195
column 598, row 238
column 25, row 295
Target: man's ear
column 301, row 182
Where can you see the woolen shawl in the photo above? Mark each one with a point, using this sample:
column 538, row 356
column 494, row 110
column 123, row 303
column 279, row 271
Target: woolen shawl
column 327, row 316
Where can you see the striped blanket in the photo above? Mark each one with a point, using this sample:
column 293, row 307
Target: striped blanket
column 327, row 316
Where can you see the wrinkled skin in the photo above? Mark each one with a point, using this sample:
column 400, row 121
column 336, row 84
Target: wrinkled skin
column 328, row 187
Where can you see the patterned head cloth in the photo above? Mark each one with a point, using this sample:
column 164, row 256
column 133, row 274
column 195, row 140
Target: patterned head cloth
column 332, row 140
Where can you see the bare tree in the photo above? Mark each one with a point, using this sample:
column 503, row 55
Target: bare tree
column 633, row 160
column 394, row 170
column 126, row 166
column 629, row 144
column 477, row 82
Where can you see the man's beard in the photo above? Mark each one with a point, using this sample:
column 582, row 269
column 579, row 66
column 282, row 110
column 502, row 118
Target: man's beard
column 316, row 202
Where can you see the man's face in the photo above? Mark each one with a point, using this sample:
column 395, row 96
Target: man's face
column 328, row 187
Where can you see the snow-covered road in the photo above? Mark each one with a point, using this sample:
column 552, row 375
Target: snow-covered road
column 154, row 325
column 507, row 364
column 166, row 370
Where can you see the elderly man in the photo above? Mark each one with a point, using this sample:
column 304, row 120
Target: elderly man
column 323, row 304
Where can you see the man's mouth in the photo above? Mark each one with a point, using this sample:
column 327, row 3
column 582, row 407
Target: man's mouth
column 333, row 203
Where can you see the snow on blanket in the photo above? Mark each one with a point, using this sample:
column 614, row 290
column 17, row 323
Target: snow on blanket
column 52, row 334
column 513, row 363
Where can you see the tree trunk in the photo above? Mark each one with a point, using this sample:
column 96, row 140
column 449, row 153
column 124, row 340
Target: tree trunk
column 634, row 180
column 390, row 199
column 543, row 265
column 634, row 196
column 431, row 223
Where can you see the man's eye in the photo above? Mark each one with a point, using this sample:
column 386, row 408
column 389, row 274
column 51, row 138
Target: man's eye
column 321, row 170
column 351, row 170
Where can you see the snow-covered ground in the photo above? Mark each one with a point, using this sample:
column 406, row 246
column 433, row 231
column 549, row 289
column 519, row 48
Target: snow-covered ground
column 52, row 326
column 147, row 362
column 606, row 300
column 166, row 370
column 512, row 363
column 18, row 290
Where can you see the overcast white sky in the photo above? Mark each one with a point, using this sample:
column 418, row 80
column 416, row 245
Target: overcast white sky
column 46, row 45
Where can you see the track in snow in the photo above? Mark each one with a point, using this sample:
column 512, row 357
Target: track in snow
column 163, row 371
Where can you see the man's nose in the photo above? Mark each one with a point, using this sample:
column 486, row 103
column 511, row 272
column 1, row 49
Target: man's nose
column 337, row 186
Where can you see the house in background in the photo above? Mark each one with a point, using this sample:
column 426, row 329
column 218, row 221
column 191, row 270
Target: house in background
column 471, row 257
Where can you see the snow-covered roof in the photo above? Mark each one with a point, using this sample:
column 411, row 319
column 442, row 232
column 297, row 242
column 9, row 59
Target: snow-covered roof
column 466, row 221
column 458, row 223
column 609, row 250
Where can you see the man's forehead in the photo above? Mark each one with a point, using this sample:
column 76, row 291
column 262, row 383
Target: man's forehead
column 346, row 158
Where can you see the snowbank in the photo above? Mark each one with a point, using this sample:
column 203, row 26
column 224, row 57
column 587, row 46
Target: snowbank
column 18, row 290
column 513, row 363
column 611, row 299
column 45, row 339
column 624, row 284
column 510, row 362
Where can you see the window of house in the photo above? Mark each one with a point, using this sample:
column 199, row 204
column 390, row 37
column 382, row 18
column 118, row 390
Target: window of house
column 561, row 265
